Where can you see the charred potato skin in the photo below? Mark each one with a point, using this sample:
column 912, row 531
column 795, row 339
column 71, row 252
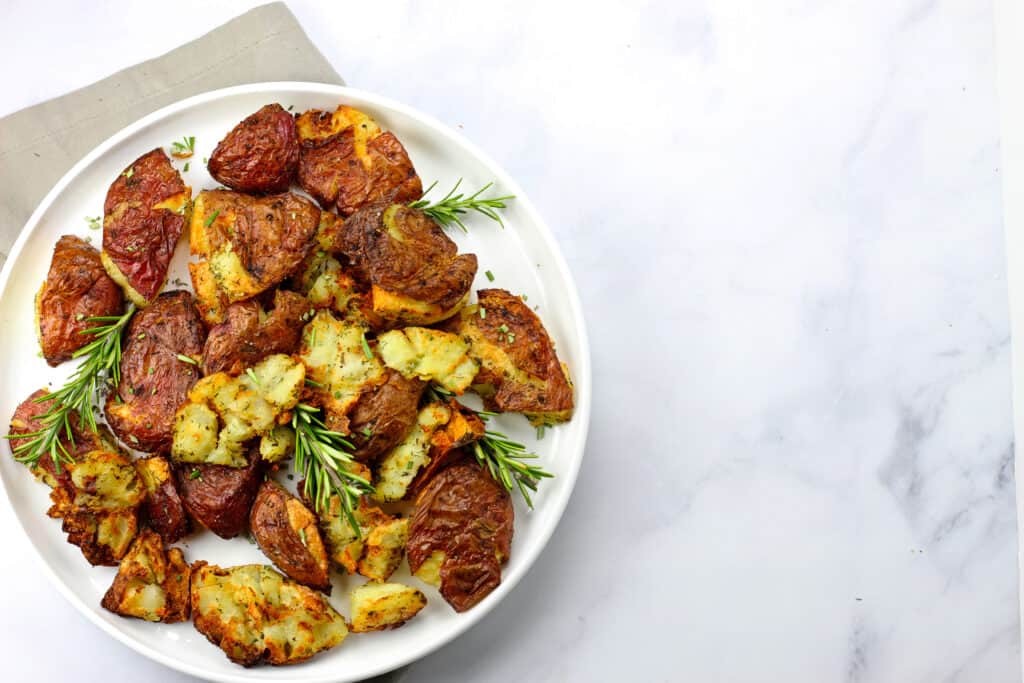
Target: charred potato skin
column 76, row 289
column 519, row 369
column 154, row 381
column 468, row 517
column 163, row 508
column 286, row 531
column 144, row 214
column 164, row 570
column 243, row 340
column 220, row 497
column 383, row 416
column 260, row 155
column 346, row 161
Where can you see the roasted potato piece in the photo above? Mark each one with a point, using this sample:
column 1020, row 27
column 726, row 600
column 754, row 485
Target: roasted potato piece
column 143, row 216
column 430, row 355
column 398, row 468
column 326, row 284
column 98, row 501
column 162, row 508
column 519, row 370
column 346, row 161
column 253, row 613
column 333, row 353
column 220, row 497
column 26, row 419
column 224, row 413
column 286, row 531
column 260, row 155
column 154, row 380
column 415, row 273
column 248, row 334
column 76, row 289
column 151, row 583
column 382, row 417
column 463, row 428
column 380, row 606
column 345, row 548
column 246, row 245
column 384, row 550
column 461, row 534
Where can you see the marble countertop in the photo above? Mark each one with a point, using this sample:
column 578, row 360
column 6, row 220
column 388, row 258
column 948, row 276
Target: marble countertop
column 784, row 219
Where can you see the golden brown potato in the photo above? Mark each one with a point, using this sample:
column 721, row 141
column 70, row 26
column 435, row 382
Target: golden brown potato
column 415, row 273
column 253, row 613
column 260, row 155
column 350, row 552
column 461, row 534
column 246, row 245
column 397, row 469
column 143, row 216
column 464, row 427
column 76, row 289
column 220, row 497
column 327, row 284
column 384, row 550
column 162, row 508
column 519, row 370
column 103, row 537
column 26, row 420
column 429, row 354
column 154, row 380
column 286, row 531
column 151, row 583
column 381, row 606
column 248, row 334
column 346, row 161
column 382, row 416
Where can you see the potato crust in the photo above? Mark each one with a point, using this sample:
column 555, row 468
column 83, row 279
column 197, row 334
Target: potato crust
column 286, row 531
column 76, row 289
column 151, row 583
column 260, row 155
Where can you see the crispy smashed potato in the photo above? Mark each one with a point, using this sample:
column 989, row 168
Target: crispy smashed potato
column 253, row 613
column 519, row 370
column 384, row 549
column 260, row 155
column 246, row 245
column 154, row 380
column 415, row 273
column 143, row 216
column 249, row 334
column 380, row 606
column 163, row 508
column 76, row 289
column 347, row 161
column 220, row 497
column 224, row 413
column 377, row 554
column 326, row 284
column 383, row 416
column 397, row 469
column 430, row 355
column 464, row 427
column 151, row 583
column 286, row 531
column 461, row 534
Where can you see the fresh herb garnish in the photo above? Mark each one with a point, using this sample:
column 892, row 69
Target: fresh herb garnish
column 95, row 222
column 366, row 347
column 195, row 474
column 212, row 218
column 187, row 359
column 447, row 212
column 490, row 275
column 183, row 149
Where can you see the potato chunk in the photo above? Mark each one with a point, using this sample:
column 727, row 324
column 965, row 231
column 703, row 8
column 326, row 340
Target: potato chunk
column 382, row 417
column 519, row 370
column 220, row 497
column 249, row 334
column 143, row 216
column 253, row 613
column 374, row 555
column 151, row 583
column 260, row 155
column 163, row 508
column 380, row 606
column 398, row 468
column 286, row 531
column 346, row 161
column 76, row 288
column 430, row 355
column 385, row 548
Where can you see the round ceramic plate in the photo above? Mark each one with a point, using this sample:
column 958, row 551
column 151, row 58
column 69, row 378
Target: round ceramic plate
column 522, row 257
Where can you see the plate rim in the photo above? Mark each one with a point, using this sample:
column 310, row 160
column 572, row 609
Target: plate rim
column 583, row 398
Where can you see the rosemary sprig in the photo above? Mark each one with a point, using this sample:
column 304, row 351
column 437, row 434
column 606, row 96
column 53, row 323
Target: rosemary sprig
column 322, row 457
column 102, row 362
column 447, row 211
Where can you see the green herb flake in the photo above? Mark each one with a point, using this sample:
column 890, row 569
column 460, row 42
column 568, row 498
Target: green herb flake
column 503, row 328
column 366, row 347
column 95, row 222
column 133, row 438
column 129, row 173
column 186, row 167
column 367, row 432
column 302, row 536
column 490, row 275
column 483, row 312
column 195, row 474
column 212, row 218
column 252, row 376
column 185, row 359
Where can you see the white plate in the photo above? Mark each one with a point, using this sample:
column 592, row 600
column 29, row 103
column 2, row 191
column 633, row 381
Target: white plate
column 523, row 258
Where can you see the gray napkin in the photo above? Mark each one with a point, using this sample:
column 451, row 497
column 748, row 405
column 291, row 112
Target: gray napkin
column 39, row 144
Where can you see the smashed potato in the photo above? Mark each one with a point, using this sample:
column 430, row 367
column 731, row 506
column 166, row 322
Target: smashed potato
column 286, row 531
column 151, row 583
column 383, row 416
column 162, row 508
column 519, row 369
column 26, row 419
column 397, row 469
column 384, row 549
column 380, row 606
column 253, row 613
column 260, row 155
column 220, row 497
column 349, row 551
column 224, row 413
column 430, row 355
column 347, row 161
column 249, row 334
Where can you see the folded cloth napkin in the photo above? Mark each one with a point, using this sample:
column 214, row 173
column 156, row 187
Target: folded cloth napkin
column 39, row 144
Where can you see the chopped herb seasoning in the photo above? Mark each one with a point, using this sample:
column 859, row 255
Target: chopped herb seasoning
column 195, row 474
column 95, row 222
column 80, row 316
column 302, row 535
column 483, row 312
column 252, row 376
column 185, row 359
column 129, row 173
column 490, row 275
column 186, row 167
column 367, row 432
column 133, row 438
column 366, row 347
column 212, row 218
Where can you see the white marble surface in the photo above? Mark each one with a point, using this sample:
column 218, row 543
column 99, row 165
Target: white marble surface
column 784, row 219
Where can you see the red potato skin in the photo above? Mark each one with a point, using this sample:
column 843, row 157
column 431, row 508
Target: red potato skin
column 76, row 289
column 386, row 413
column 139, row 239
column 242, row 340
column 162, row 508
column 220, row 497
column 154, row 381
column 260, row 155
column 26, row 420
column 293, row 555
